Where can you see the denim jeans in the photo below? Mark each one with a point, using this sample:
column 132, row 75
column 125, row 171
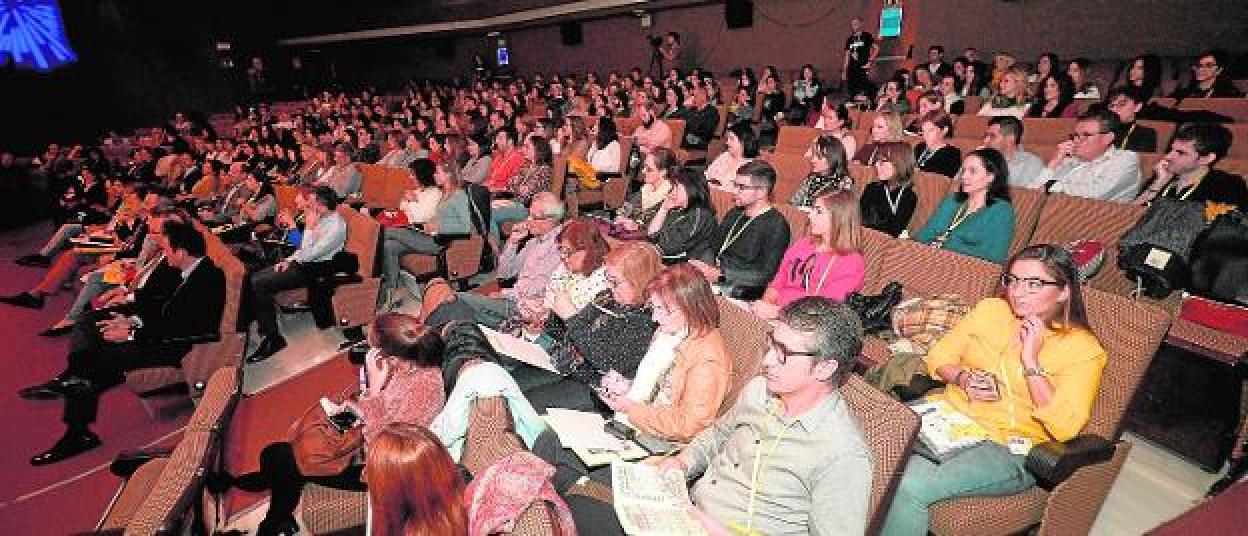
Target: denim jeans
column 987, row 469
column 92, row 287
column 60, row 240
column 489, row 311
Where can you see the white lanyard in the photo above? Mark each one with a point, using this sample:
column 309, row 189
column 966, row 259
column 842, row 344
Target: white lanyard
column 893, row 204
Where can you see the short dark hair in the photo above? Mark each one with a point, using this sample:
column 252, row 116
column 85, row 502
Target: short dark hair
column 760, row 173
column 940, row 119
column 836, row 328
column 185, row 237
column 1136, row 94
column 542, row 154
column 1207, row 138
column 1009, row 126
column 1107, row 120
column 749, row 140
column 937, row 48
column 422, row 170
column 404, row 337
column 326, row 196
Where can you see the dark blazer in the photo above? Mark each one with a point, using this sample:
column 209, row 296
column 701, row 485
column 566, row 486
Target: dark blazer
column 192, row 308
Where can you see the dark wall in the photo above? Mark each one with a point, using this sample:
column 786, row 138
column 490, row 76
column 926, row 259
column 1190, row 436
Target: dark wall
column 136, row 65
column 789, row 33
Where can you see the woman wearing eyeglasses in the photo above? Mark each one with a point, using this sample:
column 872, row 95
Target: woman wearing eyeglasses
column 978, row 220
column 828, row 262
column 1025, row 366
column 685, row 375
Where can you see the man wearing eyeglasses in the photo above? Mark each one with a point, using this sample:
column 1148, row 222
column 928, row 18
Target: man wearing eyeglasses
column 1088, row 164
column 789, row 458
column 748, row 246
column 1208, row 80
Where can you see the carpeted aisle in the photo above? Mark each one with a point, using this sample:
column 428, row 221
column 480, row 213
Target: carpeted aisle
column 30, row 427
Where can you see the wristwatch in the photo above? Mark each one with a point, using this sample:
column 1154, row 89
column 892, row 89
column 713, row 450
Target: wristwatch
column 1038, row 371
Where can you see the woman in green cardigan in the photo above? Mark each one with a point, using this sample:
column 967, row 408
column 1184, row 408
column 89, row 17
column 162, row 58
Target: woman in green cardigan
column 978, row 220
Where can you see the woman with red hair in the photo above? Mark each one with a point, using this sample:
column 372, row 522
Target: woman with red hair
column 414, row 486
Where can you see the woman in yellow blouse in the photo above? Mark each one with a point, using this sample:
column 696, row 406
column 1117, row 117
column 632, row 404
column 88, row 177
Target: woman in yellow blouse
column 1026, row 367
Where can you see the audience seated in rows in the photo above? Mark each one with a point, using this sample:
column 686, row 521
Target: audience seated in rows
column 977, row 220
column 1088, row 165
column 888, row 202
column 684, row 225
column 829, row 171
column 1187, row 171
column 743, row 255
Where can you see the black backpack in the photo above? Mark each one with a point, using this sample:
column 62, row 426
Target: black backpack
column 1155, row 253
column 1219, row 267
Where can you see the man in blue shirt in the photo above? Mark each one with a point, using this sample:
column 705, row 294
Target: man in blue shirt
column 324, row 236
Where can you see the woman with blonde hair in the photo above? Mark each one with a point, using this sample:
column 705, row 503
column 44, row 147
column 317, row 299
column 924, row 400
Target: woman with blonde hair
column 828, row 262
column 1010, row 97
column 885, row 128
column 682, row 381
column 414, row 487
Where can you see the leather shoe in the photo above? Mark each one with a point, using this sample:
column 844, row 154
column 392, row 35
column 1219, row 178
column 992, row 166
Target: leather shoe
column 56, row 388
column 33, row 261
column 69, row 445
column 56, row 331
column 25, row 299
column 268, row 346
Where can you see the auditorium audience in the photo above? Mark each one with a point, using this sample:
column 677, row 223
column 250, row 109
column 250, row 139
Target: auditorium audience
column 1209, row 78
column 977, row 220
column 324, row 236
column 1010, row 95
column 414, row 486
column 604, row 153
column 885, row 129
column 1187, row 171
column 506, row 160
column 740, row 147
column 446, row 213
column 744, row 255
column 533, row 177
column 530, row 264
column 806, row 90
column 1005, row 134
column 829, row 171
column 403, row 371
column 641, row 206
column 1126, row 103
column 1077, row 71
column 344, row 175
column 1143, row 74
column 827, row 262
column 687, row 370
column 935, row 154
column 652, row 132
column 701, row 119
column 476, row 167
column 1052, row 359
column 819, row 458
column 1055, row 98
column 684, row 224
column 1088, row 165
column 888, row 202
column 184, row 302
column 833, row 118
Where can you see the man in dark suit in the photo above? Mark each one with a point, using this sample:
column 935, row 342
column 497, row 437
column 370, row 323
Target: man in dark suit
column 181, row 303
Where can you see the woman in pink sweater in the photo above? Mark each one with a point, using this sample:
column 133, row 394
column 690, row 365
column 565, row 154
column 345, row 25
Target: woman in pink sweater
column 828, row 262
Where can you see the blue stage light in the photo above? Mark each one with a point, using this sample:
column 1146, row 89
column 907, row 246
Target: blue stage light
column 32, row 35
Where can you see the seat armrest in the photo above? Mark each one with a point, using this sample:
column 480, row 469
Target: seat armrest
column 445, row 239
column 128, row 461
column 1053, row 462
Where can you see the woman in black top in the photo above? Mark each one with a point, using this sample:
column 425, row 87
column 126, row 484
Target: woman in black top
column 1057, row 93
column 685, row 223
column 773, row 104
column 887, row 204
column 934, row 154
column 612, row 333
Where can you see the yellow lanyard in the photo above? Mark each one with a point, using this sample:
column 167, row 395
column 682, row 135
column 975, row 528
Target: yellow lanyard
column 1126, row 136
column 756, row 474
column 1173, row 186
column 960, row 216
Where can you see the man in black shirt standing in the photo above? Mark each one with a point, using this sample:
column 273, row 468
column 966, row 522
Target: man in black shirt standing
column 747, row 248
column 860, row 52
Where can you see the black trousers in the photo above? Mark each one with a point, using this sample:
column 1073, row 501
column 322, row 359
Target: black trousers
column 858, row 83
column 105, row 363
column 280, row 475
column 266, row 283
